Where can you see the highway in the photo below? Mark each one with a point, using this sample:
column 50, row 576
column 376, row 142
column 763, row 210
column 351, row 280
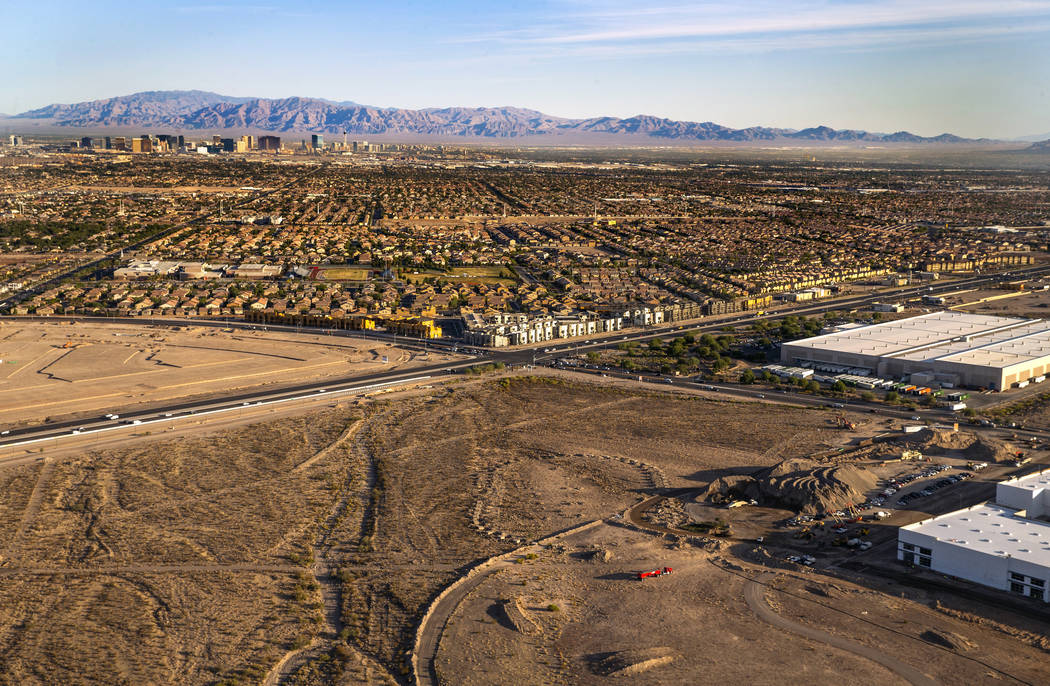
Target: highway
column 517, row 357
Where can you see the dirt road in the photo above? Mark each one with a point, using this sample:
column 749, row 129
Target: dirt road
column 429, row 632
column 754, row 594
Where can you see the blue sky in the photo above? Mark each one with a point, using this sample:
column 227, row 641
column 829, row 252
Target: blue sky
column 971, row 67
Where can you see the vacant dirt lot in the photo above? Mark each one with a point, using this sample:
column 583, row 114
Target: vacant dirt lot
column 577, row 610
column 182, row 562
column 306, row 550
column 57, row 369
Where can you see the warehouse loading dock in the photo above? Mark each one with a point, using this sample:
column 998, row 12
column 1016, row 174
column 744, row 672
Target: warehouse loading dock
column 947, row 348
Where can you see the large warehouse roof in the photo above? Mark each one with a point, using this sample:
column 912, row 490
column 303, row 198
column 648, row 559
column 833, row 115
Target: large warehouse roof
column 991, row 529
column 995, row 529
column 947, row 336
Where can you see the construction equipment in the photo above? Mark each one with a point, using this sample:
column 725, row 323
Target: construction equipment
column 655, row 572
column 845, row 423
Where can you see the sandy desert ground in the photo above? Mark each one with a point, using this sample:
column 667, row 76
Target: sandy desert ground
column 60, row 369
column 306, row 550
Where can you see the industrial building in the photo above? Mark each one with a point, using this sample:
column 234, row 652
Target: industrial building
column 1005, row 544
column 949, row 349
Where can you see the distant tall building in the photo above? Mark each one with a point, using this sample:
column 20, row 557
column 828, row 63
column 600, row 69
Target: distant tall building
column 141, row 144
column 272, row 143
column 15, row 139
column 108, row 143
column 228, row 144
column 180, row 140
column 87, row 142
column 119, row 143
column 316, row 141
column 216, row 140
column 246, row 144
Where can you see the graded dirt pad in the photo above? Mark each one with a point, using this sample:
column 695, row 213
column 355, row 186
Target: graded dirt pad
column 52, row 369
column 601, row 625
column 951, row 645
column 696, row 626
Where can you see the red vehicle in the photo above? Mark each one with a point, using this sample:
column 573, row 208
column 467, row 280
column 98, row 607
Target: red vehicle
column 655, row 572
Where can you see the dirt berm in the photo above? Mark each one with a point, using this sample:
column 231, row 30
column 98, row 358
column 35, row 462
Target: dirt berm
column 971, row 446
column 798, row 484
column 633, row 662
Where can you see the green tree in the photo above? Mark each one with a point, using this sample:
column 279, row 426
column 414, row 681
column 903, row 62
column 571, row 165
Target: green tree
column 892, row 396
column 747, row 377
column 812, row 386
column 839, row 386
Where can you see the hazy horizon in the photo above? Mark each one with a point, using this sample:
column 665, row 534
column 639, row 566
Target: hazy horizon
column 966, row 68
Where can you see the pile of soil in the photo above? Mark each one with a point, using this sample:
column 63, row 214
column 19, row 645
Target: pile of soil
column 634, row 661
column 800, row 484
column 519, row 617
column 670, row 513
column 972, row 446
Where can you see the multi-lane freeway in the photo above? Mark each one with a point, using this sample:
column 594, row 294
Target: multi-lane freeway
column 543, row 353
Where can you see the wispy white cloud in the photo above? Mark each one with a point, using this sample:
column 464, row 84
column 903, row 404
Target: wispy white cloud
column 851, row 40
column 584, row 27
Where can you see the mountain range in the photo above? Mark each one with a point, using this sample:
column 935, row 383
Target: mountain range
column 203, row 110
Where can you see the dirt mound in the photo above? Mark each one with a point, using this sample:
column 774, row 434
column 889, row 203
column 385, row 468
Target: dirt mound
column 800, row 484
column 990, row 450
column 929, row 440
column 721, row 487
column 670, row 513
column 972, row 446
column 634, row 661
column 519, row 617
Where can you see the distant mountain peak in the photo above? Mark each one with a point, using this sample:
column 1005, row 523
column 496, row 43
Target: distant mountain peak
column 196, row 109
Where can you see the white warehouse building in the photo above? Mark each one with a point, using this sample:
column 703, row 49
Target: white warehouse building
column 1005, row 544
column 949, row 348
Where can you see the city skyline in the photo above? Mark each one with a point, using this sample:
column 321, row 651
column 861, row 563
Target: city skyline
column 968, row 68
